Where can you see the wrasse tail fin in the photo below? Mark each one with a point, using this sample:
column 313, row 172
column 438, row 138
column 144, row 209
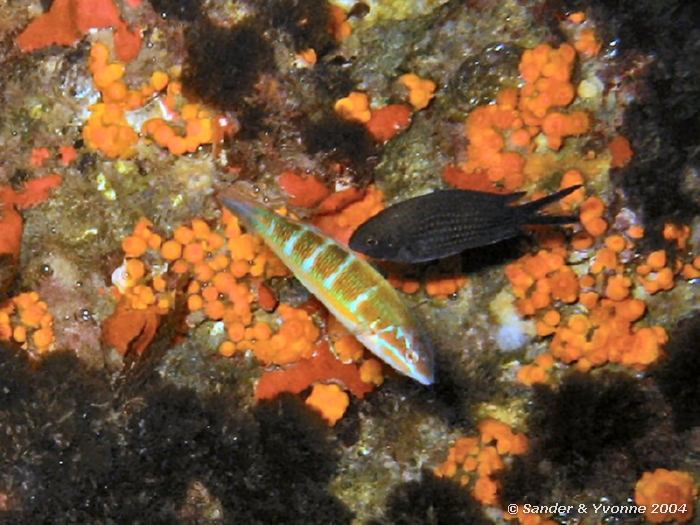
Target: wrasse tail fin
column 527, row 213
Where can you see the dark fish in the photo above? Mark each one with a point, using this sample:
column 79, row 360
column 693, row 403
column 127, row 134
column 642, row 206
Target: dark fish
column 447, row 222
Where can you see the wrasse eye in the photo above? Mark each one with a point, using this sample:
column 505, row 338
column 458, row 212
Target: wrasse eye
column 371, row 241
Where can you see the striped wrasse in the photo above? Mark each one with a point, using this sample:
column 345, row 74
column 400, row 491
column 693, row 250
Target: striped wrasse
column 352, row 290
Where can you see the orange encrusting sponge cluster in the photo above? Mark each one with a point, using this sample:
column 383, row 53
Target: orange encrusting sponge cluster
column 107, row 128
column 294, row 340
column 222, row 273
column 198, row 123
column 341, row 223
column 39, row 156
column 304, row 190
column 347, row 349
column 501, row 135
column 219, row 269
column 599, row 325
column 329, row 400
column 26, row 320
column 668, row 495
column 601, row 329
column 678, row 234
column 354, row 107
column 385, row 122
column 420, row 90
column 340, row 28
column 476, row 459
column 587, row 42
column 34, row 192
column 138, row 294
column 323, row 368
column 498, row 142
column 67, row 21
column 388, row 121
column 440, row 287
column 332, row 374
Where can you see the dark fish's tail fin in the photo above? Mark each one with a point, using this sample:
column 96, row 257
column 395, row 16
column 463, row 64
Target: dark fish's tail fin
column 527, row 213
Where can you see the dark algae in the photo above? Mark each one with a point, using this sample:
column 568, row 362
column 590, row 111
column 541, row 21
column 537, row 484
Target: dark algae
column 72, row 451
column 431, row 500
column 677, row 376
column 223, row 63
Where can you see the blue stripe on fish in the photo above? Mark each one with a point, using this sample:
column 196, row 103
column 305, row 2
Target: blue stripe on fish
column 355, row 303
column 291, row 242
column 328, row 281
column 309, row 263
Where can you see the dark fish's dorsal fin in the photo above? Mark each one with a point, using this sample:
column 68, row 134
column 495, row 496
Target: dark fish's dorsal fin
column 511, row 197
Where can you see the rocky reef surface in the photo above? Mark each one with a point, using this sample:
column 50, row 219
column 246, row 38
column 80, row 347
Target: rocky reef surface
column 159, row 364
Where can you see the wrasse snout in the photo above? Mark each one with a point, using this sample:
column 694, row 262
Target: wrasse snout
column 352, row 290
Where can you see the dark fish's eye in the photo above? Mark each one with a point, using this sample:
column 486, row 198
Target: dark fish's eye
column 372, row 241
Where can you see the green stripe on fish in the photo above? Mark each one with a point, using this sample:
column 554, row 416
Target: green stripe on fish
column 352, row 290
